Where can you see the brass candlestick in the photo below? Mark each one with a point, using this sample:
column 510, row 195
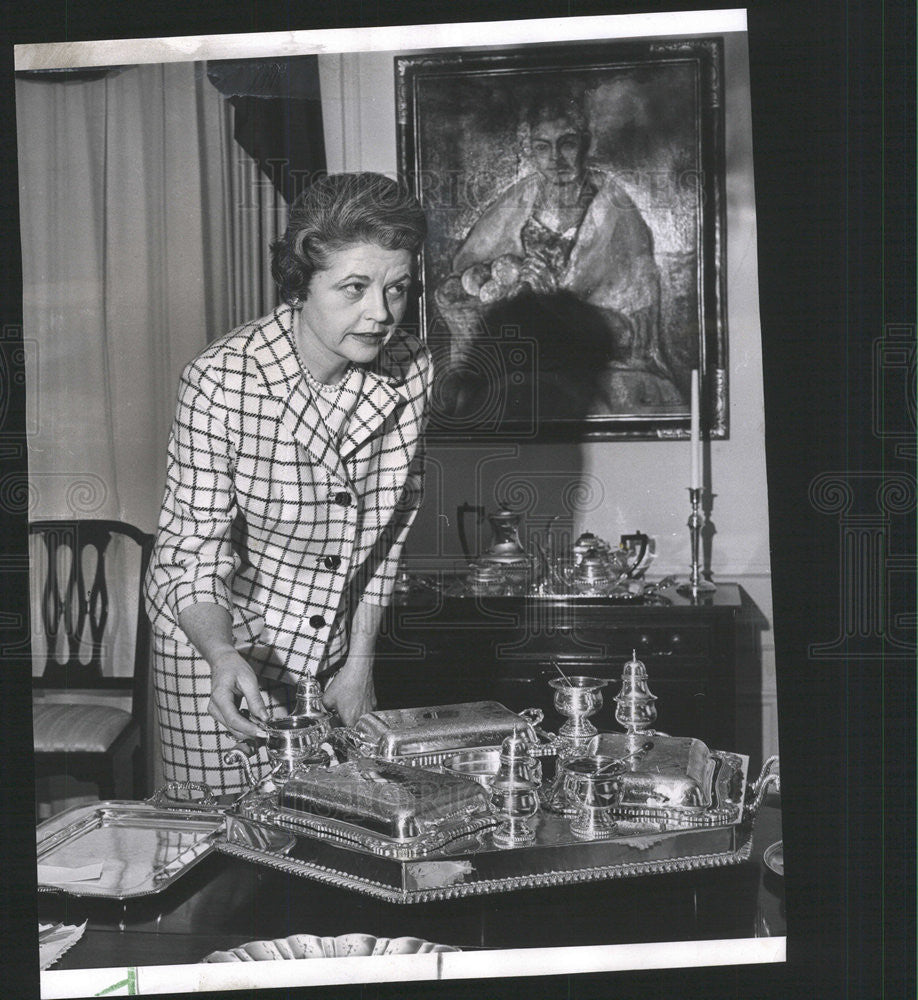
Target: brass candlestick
column 697, row 584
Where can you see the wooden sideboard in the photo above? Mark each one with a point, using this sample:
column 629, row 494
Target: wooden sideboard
column 439, row 650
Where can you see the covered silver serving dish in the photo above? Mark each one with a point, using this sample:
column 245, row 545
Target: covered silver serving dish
column 381, row 807
column 664, row 781
column 425, row 736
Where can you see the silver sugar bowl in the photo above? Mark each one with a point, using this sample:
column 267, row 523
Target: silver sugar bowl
column 578, row 698
column 593, row 785
column 295, row 740
column 514, row 793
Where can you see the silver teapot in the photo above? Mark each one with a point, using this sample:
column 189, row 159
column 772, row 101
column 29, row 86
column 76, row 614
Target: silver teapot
column 594, row 573
column 598, row 567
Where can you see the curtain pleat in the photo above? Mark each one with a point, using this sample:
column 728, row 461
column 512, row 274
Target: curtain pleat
column 125, row 215
column 258, row 217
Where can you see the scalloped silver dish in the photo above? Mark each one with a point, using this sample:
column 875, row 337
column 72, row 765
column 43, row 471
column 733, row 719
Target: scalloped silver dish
column 300, row 946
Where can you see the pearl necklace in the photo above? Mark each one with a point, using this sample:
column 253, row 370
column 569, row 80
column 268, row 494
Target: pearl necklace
column 328, row 389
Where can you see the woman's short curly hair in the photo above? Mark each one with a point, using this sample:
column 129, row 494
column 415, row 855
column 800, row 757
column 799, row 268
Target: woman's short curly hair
column 338, row 210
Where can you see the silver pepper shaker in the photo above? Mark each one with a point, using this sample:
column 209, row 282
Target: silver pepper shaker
column 514, row 793
column 635, row 710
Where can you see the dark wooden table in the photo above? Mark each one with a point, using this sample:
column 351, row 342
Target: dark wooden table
column 225, row 902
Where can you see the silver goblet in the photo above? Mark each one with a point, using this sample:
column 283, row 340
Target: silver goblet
column 577, row 698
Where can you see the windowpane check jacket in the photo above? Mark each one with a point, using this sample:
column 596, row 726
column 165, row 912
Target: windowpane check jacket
column 266, row 515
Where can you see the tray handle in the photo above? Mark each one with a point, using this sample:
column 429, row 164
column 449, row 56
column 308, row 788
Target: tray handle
column 348, row 739
column 769, row 775
column 169, row 796
column 532, row 715
column 240, row 755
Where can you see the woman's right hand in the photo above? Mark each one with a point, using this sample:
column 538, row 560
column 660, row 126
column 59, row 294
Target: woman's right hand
column 231, row 677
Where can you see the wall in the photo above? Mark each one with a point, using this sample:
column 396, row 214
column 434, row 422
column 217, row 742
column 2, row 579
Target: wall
column 607, row 487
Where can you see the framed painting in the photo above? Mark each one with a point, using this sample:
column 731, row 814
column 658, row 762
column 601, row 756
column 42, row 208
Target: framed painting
column 575, row 265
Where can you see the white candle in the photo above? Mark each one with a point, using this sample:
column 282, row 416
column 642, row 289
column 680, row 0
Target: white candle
column 695, row 433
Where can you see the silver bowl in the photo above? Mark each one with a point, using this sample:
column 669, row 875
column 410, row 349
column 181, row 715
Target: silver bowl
column 481, row 766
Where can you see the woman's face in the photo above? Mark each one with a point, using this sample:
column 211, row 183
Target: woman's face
column 352, row 307
column 559, row 150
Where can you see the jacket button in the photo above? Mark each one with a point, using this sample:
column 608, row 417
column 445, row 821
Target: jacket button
column 332, row 562
column 343, row 499
column 317, row 621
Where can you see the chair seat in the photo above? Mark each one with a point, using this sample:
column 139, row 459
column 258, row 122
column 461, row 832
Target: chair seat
column 60, row 728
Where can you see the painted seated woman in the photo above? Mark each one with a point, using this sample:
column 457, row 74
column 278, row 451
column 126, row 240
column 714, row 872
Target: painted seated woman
column 569, row 227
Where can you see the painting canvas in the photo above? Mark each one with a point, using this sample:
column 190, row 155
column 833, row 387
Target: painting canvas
column 573, row 274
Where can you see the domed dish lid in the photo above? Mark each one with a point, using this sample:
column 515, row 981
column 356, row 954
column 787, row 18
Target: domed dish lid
column 395, row 801
column 656, row 771
column 405, row 732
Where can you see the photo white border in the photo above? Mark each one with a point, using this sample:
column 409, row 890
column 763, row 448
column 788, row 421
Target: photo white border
column 528, row 962
column 195, row 48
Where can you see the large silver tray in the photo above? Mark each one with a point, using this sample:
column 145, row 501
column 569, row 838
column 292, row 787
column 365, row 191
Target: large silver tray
column 554, row 858
column 474, row 865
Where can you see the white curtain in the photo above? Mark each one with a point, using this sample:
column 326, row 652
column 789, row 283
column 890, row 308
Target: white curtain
column 258, row 217
column 144, row 235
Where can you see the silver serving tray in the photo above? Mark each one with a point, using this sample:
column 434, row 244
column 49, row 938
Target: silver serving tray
column 424, row 736
column 474, row 865
column 554, row 858
column 140, row 848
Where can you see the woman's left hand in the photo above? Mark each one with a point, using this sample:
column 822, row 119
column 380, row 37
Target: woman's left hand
column 539, row 275
column 350, row 692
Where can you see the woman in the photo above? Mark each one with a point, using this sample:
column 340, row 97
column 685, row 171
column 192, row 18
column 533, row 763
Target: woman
column 294, row 474
column 568, row 229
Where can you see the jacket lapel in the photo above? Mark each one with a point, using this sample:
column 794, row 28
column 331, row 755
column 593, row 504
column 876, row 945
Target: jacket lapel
column 282, row 378
column 378, row 399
